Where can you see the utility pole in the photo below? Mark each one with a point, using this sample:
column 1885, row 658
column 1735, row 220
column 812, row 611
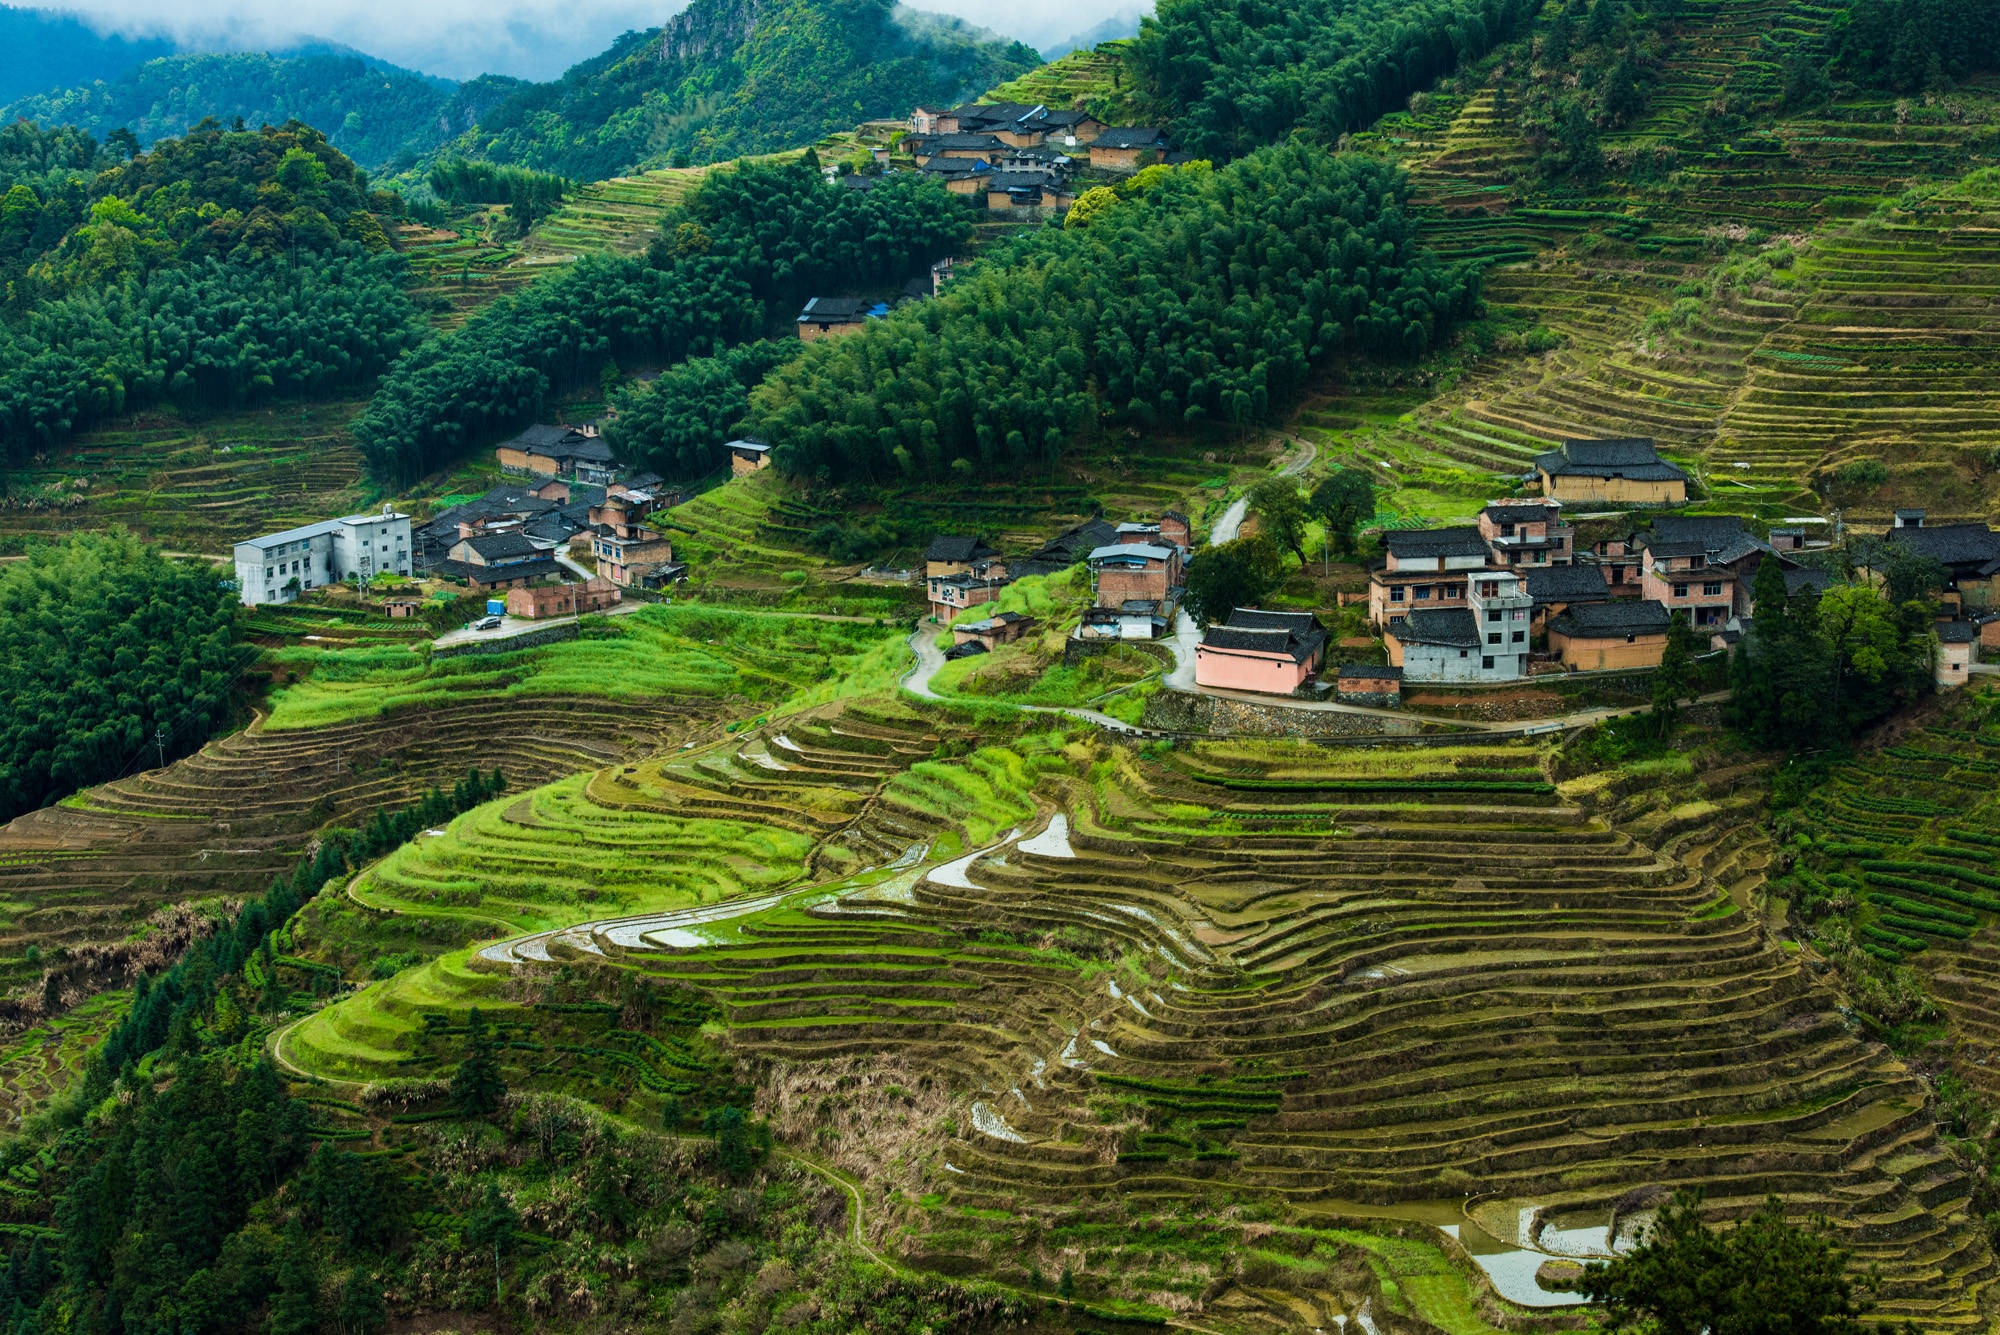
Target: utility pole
column 160, row 742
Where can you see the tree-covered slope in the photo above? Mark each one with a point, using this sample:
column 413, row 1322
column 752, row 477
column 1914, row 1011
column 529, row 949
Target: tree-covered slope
column 41, row 49
column 378, row 115
column 731, row 77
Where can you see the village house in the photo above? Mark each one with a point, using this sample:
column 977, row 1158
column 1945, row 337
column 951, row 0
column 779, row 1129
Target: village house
column 1629, row 633
column 1128, row 571
column 1527, row 533
column 994, row 631
column 1127, row 148
column 955, row 554
column 490, row 561
column 1071, row 129
column 960, row 177
column 1137, row 619
column 1368, row 684
column 1629, row 472
column 559, row 451
column 1957, row 650
column 941, row 273
column 1423, row 568
column 747, row 456
column 505, row 506
column 1026, row 190
column 1970, row 554
column 1620, row 560
column 1068, row 548
column 1486, row 640
column 634, row 556
column 923, row 120
column 830, row 317
column 402, row 609
column 1271, row 653
column 277, row 567
column 950, row 594
column 562, row 600
column 1678, row 577
column 1171, row 529
column 1556, row 588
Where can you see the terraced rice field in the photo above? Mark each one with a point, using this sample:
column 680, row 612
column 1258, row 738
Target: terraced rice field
column 1874, row 343
column 89, row 872
column 1914, row 835
column 194, row 486
column 1354, row 993
column 1093, row 78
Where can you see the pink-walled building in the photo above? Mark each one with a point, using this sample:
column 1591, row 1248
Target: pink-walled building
column 1271, row 653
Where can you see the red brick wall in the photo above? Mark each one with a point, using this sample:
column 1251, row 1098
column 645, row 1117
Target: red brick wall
column 1114, row 587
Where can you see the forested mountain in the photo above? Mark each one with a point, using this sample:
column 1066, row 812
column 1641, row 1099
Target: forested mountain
column 731, row 77
column 376, row 114
column 41, row 49
column 219, row 268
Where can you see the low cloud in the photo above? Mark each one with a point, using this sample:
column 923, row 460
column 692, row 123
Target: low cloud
column 530, row 39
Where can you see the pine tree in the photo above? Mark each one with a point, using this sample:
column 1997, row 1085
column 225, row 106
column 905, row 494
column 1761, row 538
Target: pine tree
column 295, row 1305
column 478, row 1085
column 493, row 1225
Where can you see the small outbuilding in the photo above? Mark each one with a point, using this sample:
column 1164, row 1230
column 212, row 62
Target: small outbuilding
column 1592, row 637
column 1369, row 684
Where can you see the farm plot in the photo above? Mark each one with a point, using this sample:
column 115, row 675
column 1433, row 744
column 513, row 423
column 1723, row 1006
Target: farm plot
column 1332, row 983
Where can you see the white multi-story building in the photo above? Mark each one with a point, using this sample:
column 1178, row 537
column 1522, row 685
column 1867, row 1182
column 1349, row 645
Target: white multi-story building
column 278, row 567
column 1486, row 640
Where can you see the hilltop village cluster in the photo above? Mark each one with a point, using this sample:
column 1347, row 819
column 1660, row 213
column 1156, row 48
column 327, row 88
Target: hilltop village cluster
column 1511, row 596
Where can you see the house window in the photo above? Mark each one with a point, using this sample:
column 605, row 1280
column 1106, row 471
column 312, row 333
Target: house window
column 1461, row 653
column 1711, row 589
column 1506, row 530
column 1631, row 639
column 1494, row 638
column 1486, row 662
column 1493, row 614
column 1519, row 636
column 1396, row 593
column 1680, row 590
column 1423, row 592
column 1489, row 588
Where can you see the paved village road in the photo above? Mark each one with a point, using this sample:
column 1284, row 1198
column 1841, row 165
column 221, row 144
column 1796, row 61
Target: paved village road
column 512, row 626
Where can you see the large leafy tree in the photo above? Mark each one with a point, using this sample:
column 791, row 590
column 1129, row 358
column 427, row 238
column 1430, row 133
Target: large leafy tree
column 1231, row 575
column 1344, row 501
column 1281, row 511
column 1765, row 1276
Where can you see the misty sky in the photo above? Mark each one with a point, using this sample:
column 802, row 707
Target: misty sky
column 533, row 39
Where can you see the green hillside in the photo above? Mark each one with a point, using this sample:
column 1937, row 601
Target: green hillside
column 727, row 78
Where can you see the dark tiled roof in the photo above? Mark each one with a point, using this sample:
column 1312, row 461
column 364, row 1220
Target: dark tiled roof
column 1065, row 549
column 1953, row 544
column 1256, row 618
column 496, row 574
column 1800, row 578
column 1633, row 458
column 1957, row 632
column 1717, row 531
column 1450, row 626
column 1597, row 621
column 983, row 142
column 540, row 437
column 954, row 547
column 1692, row 547
column 957, row 167
column 501, row 546
column 1421, row 542
column 1055, row 119
column 1131, row 136
column 835, row 309
column 1502, row 513
column 965, row 650
column 1018, row 181
column 1566, row 584
column 589, row 449
column 1371, row 670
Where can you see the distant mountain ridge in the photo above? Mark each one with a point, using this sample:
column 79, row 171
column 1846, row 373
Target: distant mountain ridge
column 381, row 116
column 43, row 49
column 729, row 77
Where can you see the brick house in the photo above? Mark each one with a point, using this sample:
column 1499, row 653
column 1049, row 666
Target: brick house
column 561, row 600
column 924, row 120
column 1271, row 653
column 1620, row 560
column 1628, row 471
column 952, row 593
column 1629, row 633
column 1423, row 569
column 1527, row 533
column 1071, row 129
column 1123, row 572
column 1970, row 554
column 1679, row 577
column 1126, row 148
column 635, row 557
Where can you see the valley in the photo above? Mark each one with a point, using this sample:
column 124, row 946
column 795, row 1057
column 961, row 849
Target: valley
column 1203, row 694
